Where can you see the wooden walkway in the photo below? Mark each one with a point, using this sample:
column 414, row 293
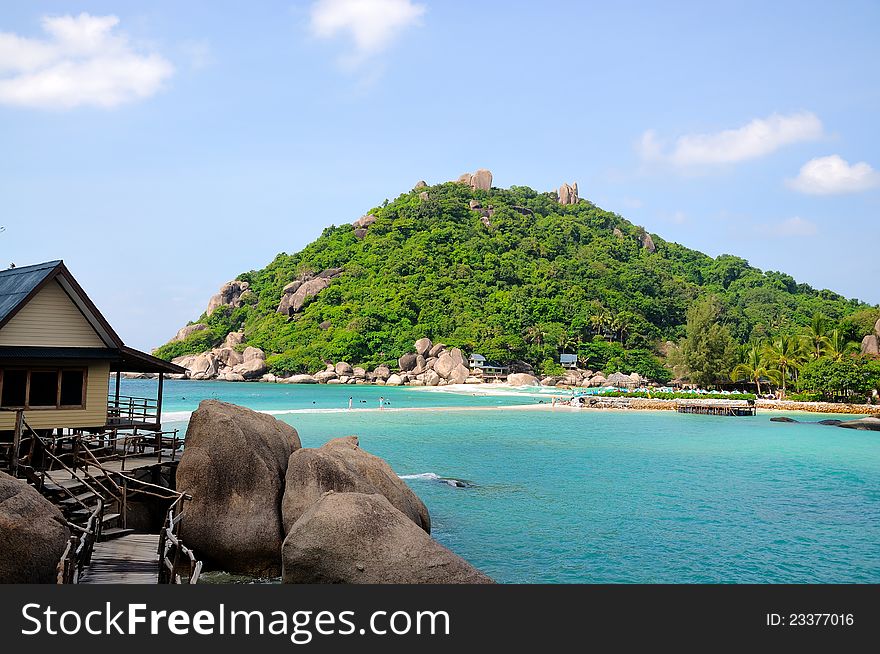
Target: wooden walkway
column 716, row 409
column 132, row 559
column 62, row 477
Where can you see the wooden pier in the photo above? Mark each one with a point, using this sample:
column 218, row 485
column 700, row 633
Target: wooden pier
column 716, row 409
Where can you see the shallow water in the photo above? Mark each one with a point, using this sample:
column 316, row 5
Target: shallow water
column 604, row 496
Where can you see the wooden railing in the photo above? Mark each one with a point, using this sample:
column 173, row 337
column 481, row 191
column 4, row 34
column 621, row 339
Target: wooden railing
column 120, row 445
column 78, row 553
column 177, row 563
column 125, row 409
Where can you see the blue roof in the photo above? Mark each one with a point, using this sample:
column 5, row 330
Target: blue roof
column 17, row 283
column 568, row 358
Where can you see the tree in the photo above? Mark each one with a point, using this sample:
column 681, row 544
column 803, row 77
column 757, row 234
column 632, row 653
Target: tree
column 786, row 354
column 816, row 336
column 708, row 350
column 754, row 369
column 838, row 347
column 832, row 379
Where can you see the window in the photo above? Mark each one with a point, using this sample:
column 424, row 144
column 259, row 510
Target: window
column 73, row 388
column 43, row 389
column 14, row 388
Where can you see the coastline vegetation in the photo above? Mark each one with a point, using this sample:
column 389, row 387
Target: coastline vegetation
column 536, row 278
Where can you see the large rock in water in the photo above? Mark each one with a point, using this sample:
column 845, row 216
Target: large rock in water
column 341, row 465
column 355, row 538
column 33, row 534
column 871, row 423
column 233, row 466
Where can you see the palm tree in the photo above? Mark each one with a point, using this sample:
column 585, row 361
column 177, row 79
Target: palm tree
column 839, row 347
column 816, row 336
column 786, row 354
column 599, row 320
column 534, row 335
column 754, row 369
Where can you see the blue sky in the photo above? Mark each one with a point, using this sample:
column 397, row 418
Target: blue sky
column 162, row 148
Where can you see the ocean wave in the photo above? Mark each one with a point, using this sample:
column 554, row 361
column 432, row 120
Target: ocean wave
column 422, row 475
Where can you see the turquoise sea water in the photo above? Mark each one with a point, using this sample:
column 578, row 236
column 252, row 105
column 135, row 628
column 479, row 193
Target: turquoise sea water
column 565, row 496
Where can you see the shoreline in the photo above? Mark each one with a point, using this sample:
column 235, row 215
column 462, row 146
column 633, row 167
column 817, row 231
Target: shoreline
column 621, row 404
column 501, row 389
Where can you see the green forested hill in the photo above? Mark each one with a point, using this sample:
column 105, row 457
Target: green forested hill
column 541, row 278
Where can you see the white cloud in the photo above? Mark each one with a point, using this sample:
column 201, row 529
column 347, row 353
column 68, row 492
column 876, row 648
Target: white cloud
column 795, row 226
column 84, row 60
column 833, row 174
column 758, row 138
column 371, row 24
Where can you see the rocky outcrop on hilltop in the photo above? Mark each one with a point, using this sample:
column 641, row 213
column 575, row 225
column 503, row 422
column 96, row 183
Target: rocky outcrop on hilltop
column 230, row 295
column 234, row 467
column 871, row 342
column 648, row 243
column 33, row 534
column 480, row 180
column 295, row 294
column 568, row 194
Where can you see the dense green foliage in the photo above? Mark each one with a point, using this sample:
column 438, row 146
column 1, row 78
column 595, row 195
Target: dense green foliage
column 543, row 279
column 707, row 353
column 852, row 377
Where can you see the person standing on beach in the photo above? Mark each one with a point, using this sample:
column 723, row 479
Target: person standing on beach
column 381, row 403
column 349, row 403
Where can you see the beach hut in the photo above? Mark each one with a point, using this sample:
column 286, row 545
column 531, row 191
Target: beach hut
column 620, row 380
column 476, row 361
column 57, row 354
column 487, row 369
column 568, row 361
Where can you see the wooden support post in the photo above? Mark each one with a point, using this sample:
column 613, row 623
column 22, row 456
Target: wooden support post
column 16, row 442
column 125, row 503
column 159, row 400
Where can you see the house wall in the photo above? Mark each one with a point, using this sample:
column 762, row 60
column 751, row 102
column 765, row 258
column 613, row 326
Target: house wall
column 93, row 415
column 50, row 319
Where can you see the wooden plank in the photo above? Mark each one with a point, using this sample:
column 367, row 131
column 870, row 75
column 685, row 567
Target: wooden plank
column 132, row 559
